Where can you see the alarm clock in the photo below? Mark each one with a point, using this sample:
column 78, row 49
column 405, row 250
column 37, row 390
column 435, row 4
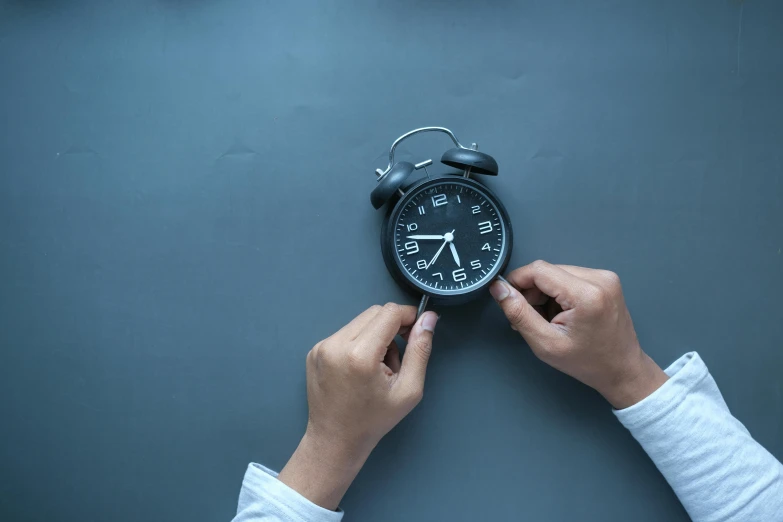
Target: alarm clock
column 447, row 237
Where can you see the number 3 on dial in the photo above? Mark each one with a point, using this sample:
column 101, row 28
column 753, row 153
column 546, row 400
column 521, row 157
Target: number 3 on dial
column 485, row 227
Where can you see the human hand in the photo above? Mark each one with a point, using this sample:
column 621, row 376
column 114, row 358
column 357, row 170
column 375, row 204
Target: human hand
column 575, row 320
column 357, row 390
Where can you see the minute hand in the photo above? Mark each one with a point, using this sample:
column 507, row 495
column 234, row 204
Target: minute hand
column 426, row 237
column 437, row 254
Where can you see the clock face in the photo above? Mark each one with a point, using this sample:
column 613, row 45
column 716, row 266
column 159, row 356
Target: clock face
column 450, row 236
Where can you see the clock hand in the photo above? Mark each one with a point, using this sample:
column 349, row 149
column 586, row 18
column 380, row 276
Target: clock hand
column 454, row 253
column 449, row 237
column 436, row 255
column 425, row 237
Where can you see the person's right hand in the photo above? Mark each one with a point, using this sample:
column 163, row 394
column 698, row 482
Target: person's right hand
column 575, row 320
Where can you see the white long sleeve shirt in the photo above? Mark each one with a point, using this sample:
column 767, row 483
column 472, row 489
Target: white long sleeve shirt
column 717, row 470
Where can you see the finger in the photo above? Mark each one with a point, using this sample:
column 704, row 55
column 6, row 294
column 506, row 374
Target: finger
column 392, row 357
column 417, row 355
column 596, row 276
column 354, row 328
column 587, row 274
column 405, row 331
column 525, row 319
column 555, row 282
column 380, row 331
column 534, row 296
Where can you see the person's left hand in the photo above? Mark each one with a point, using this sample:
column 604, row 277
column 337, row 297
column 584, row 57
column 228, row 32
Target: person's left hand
column 357, row 390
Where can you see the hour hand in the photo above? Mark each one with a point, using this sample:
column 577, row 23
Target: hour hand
column 454, row 253
column 426, row 237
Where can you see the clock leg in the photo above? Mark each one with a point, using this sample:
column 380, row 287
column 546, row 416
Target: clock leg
column 422, row 306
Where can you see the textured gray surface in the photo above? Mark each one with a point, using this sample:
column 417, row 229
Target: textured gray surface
column 184, row 212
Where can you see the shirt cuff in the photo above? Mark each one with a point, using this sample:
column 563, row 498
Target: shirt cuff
column 261, row 482
column 685, row 374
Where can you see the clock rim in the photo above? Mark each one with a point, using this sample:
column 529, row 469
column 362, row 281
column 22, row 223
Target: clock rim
column 404, row 279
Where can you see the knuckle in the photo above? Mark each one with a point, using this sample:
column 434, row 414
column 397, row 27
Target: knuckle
column 326, row 352
column 391, row 308
column 375, row 308
column 596, row 297
column 317, row 349
column 356, row 361
column 612, row 279
column 539, row 265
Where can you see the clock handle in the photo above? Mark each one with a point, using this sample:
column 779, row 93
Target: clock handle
column 422, row 306
column 380, row 173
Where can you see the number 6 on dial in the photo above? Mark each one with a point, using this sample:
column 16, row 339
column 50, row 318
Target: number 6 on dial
column 459, row 275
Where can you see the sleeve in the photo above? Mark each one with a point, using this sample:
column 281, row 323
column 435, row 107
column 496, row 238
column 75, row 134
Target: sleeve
column 714, row 466
column 264, row 498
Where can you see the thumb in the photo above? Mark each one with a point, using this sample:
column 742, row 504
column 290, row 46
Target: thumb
column 522, row 316
column 417, row 354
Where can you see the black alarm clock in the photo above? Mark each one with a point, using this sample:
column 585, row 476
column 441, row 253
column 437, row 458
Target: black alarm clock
column 448, row 237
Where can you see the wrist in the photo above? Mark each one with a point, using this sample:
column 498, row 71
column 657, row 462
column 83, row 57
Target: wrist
column 334, row 452
column 322, row 468
column 639, row 380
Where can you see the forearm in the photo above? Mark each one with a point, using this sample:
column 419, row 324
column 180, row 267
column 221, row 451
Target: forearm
column 310, row 486
column 708, row 457
column 321, row 470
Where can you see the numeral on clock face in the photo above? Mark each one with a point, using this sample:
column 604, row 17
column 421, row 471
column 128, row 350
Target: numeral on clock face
column 412, row 227
column 421, row 264
column 485, row 227
column 485, row 247
column 438, row 200
column 421, row 210
column 438, row 274
column 475, row 209
column 411, row 247
column 475, row 264
column 459, row 275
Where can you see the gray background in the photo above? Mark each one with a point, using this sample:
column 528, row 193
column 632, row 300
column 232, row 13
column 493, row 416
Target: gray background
column 184, row 212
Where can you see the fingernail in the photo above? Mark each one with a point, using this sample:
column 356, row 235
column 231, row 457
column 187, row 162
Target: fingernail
column 428, row 321
column 499, row 291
